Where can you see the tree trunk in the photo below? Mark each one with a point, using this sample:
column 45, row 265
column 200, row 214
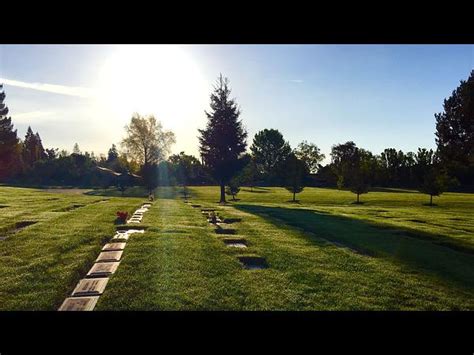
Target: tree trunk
column 431, row 200
column 294, row 196
column 222, row 193
column 357, row 198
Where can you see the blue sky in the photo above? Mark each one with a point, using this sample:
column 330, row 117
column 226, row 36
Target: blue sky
column 377, row 96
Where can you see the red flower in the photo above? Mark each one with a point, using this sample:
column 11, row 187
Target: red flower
column 122, row 215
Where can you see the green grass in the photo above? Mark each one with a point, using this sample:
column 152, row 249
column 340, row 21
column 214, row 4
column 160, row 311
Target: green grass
column 324, row 253
column 41, row 263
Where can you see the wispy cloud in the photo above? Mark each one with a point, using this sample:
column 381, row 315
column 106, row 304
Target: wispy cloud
column 296, row 81
column 52, row 88
column 27, row 116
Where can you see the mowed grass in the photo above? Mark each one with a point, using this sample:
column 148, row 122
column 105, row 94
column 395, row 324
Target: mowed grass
column 41, row 263
column 324, row 253
column 180, row 263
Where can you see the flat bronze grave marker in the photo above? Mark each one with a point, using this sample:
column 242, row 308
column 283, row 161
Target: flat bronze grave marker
column 114, row 246
column 109, row 256
column 79, row 304
column 103, row 269
column 90, row 287
column 253, row 262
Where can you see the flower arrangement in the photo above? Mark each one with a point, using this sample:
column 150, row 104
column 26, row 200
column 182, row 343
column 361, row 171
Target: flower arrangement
column 122, row 216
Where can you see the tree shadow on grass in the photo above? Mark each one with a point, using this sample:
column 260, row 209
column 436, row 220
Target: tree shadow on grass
column 419, row 251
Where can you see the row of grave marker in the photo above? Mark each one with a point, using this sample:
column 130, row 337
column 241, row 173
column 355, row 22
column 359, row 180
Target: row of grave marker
column 249, row 262
column 87, row 291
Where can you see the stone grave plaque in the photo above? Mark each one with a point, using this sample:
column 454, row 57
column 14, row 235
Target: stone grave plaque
column 253, row 262
column 114, row 246
column 120, row 236
column 109, row 256
column 131, row 231
column 79, row 303
column 102, row 269
column 90, row 287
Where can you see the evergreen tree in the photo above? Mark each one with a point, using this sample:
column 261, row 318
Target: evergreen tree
column 224, row 139
column 9, row 142
column 32, row 148
column 75, row 149
column 113, row 154
column 455, row 132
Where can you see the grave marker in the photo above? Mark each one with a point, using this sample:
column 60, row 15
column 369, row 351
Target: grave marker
column 90, row 287
column 103, row 269
column 79, row 303
column 109, row 256
column 113, row 246
column 253, row 262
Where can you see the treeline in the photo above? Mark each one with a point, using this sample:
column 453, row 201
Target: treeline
column 226, row 161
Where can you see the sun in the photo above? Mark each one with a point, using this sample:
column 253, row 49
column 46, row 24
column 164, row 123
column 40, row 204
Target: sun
column 162, row 80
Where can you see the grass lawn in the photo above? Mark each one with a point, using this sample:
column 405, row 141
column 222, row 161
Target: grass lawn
column 324, row 253
column 41, row 263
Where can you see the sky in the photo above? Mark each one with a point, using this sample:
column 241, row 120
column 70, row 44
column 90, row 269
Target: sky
column 379, row 96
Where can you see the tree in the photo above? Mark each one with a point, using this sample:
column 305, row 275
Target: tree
column 435, row 182
column 9, row 142
column 424, row 160
column 33, row 150
column 392, row 162
column 223, row 140
column 185, row 168
column 296, row 172
column 360, row 175
column 112, row 155
column 455, row 132
column 311, row 155
column 249, row 175
column 148, row 144
column 343, row 158
column 233, row 188
column 76, row 150
column 269, row 150
column 150, row 176
column 146, row 141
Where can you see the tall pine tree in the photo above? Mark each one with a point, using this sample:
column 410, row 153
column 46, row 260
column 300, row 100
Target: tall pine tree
column 224, row 139
column 9, row 142
column 32, row 148
column 455, row 132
